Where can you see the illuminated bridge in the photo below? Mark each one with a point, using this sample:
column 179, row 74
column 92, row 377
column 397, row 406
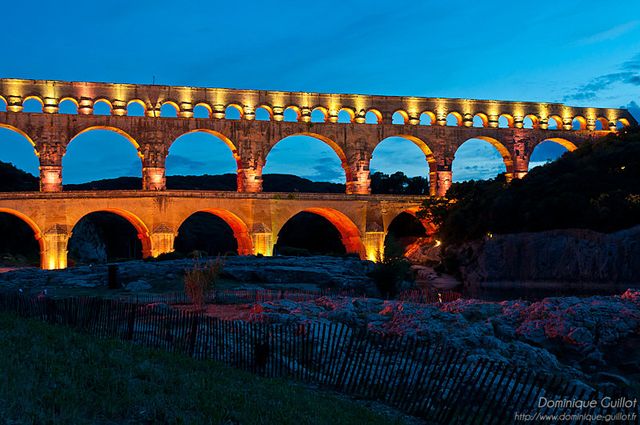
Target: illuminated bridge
column 352, row 125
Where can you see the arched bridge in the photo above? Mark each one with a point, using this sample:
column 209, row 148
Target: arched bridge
column 352, row 125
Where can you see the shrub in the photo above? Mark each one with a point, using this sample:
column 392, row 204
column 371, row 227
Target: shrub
column 388, row 273
column 201, row 279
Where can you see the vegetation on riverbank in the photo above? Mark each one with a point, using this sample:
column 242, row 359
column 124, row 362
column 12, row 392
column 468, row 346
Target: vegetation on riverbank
column 596, row 187
column 56, row 376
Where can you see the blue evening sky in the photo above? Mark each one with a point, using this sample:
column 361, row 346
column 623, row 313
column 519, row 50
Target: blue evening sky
column 578, row 52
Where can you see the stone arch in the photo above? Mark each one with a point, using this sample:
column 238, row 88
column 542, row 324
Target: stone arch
column 137, row 223
column 557, row 120
column 32, row 100
column 22, row 133
column 238, row 227
column 349, row 233
column 109, row 128
column 530, row 121
column 424, row 147
column 622, row 123
column 413, row 240
column 333, row 145
column 202, row 110
column 225, row 139
column 231, row 110
column 480, row 119
column 138, row 104
column 602, row 124
column 427, row 118
column 3, row 104
column 102, row 101
column 346, row 115
column 502, row 150
column 72, row 110
column 264, row 113
column 169, row 109
column 454, row 119
column 37, row 233
column 567, row 144
column 579, row 123
column 291, row 114
column 400, row 117
column 319, row 114
column 505, row 121
column 373, row 116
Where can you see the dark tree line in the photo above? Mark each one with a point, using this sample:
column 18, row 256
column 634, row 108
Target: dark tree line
column 595, row 187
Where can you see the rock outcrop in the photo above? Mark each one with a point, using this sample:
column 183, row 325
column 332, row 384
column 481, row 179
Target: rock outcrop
column 559, row 258
column 574, row 336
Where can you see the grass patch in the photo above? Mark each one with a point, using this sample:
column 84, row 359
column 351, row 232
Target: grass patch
column 53, row 375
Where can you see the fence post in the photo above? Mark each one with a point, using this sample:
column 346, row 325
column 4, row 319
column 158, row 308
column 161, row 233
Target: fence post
column 132, row 321
column 193, row 335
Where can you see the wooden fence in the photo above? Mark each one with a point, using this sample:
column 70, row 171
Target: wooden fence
column 429, row 380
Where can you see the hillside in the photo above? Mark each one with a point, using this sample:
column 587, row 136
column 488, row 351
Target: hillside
column 596, row 187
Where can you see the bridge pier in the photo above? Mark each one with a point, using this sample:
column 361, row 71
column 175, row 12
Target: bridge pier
column 443, row 180
column 53, row 253
column 162, row 239
column 374, row 245
column 51, row 178
column 153, row 178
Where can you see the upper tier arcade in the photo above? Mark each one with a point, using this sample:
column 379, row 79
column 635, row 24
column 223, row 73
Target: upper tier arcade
column 438, row 126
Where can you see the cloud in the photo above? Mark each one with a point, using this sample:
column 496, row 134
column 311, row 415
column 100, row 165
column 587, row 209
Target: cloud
column 633, row 108
column 609, row 34
column 327, row 173
column 628, row 73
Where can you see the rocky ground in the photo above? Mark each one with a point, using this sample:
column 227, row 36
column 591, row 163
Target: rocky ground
column 243, row 272
column 594, row 339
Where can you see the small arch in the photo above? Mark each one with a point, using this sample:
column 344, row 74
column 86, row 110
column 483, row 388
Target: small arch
column 291, row 114
column 602, row 124
column 373, row 116
column 348, row 231
column 400, row 117
column 136, row 108
column 505, row 121
column 622, row 123
column 530, row 121
column 169, row 109
column 346, row 115
column 427, row 118
column 233, row 111
column 32, row 104
column 202, row 110
column 480, row 120
column 264, row 113
column 239, row 231
column 102, row 107
column 579, row 123
column 141, row 245
column 319, row 114
column 3, row 104
column 554, row 123
column 68, row 105
column 454, row 119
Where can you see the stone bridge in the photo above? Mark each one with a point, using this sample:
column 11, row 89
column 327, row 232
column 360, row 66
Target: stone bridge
column 255, row 218
column 251, row 122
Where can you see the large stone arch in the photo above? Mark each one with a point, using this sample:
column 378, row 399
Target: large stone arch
column 422, row 145
column 227, row 141
column 349, row 232
column 116, row 130
column 237, row 225
column 329, row 142
column 502, row 150
column 37, row 233
column 22, row 133
column 567, row 144
column 143, row 230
